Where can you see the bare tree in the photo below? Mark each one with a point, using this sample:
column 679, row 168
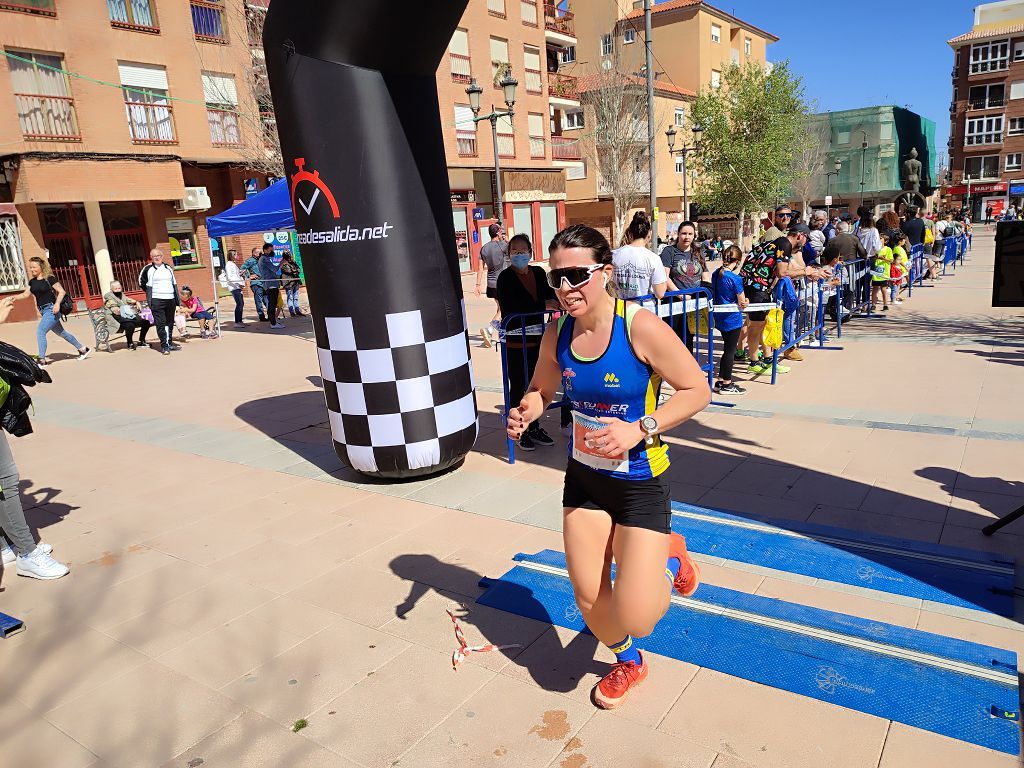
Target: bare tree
column 809, row 162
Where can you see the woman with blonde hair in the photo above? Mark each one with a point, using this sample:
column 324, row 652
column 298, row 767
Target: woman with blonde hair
column 48, row 293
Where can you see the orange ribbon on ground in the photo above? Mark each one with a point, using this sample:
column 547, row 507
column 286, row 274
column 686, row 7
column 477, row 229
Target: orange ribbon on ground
column 464, row 649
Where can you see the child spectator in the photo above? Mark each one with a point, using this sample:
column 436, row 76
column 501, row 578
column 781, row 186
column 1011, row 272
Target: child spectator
column 900, row 269
column 785, row 295
column 880, row 268
column 727, row 287
column 192, row 307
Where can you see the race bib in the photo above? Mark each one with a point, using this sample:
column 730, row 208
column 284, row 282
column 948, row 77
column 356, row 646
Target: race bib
column 582, row 427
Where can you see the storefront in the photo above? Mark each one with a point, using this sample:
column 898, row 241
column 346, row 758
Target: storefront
column 463, row 204
column 971, row 197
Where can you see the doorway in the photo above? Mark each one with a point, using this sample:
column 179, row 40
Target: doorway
column 66, row 239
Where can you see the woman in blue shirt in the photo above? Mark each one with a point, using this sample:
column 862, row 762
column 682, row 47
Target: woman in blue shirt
column 727, row 286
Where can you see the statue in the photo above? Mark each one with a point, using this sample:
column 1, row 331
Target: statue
column 912, row 172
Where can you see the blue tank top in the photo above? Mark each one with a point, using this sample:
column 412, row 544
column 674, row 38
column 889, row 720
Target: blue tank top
column 615, row 384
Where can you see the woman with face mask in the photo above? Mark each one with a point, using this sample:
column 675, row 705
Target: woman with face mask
column 524, row 289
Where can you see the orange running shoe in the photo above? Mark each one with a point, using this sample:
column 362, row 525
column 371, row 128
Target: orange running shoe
column 688, row 578
column 614, row 687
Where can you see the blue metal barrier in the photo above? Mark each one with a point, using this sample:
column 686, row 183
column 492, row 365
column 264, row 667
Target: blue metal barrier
column 808, row 321
column 918, row 268
column 676, row 308
column 855, row 285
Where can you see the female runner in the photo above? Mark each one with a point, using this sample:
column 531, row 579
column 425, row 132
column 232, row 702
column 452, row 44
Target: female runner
column 612, row 357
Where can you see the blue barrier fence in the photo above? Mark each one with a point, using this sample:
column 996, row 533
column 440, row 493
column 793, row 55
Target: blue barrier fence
column 808, row 321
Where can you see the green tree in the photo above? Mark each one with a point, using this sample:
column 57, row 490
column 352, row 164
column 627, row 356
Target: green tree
column 752, row 129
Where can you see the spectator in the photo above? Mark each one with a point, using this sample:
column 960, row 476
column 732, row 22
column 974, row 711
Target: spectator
column 48, row 293
column 914, row 226
column 193, row 308
column 881, row 268
column 727, row 288
column 687, row 269
column 781, row 219
column 493, row 260
column 900, row 269
column 847, row 244
column 292, row 283
column 793, row 277
column 819, row 236
column 941, row 224
column 888, row 221
column 638, row 271
column 251, row 270
column 122, row 313
column 759, row 273
column 524, row 289
column 988, row 214
column 16, row 543
column 833, row 273
column 231, row 278
column 157, row 280
column 831, row 229
column 868, row 235
column 270, row 276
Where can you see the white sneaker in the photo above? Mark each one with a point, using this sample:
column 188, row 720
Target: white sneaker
column 8, row 556
column 485, row 334
column 277, row 326
column 40, row 565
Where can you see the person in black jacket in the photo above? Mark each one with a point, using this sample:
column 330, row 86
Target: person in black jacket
column 157, row 280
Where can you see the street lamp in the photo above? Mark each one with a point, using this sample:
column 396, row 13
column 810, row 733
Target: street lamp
column 863, row 164
column 508, row 86
column 828, row 178
column 683, row 151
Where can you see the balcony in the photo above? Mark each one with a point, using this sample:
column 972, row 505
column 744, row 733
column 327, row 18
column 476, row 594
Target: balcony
column 528, row 12
column 461, row 70
column 994, row 102
column 563, row 148
column 47, row 118
column 534, row 81
column 989, row 66
column 150, row 123
column 506, row 145
column 36, row 7
column 466, row 143
column 208, row 22
column 563, row 86
column 224, row 131
column 559, row 21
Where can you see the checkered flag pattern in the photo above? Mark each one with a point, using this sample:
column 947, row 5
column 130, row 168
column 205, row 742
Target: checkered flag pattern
column 398, row 400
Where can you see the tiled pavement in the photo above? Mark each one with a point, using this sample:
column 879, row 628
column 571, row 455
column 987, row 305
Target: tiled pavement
column 230, row 577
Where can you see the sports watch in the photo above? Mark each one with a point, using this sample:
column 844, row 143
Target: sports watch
column 649, row 425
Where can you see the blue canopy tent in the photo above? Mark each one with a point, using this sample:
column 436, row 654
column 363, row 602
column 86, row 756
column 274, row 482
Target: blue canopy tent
column 268, row 211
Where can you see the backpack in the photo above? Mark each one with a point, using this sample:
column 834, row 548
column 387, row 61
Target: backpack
column 929, row 236
column 949, row 231
column 772, row 335
column 67, row 306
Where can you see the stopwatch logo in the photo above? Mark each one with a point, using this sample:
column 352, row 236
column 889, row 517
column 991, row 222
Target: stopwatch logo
column 319, row 187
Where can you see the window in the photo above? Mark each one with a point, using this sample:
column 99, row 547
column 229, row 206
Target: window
column 150, row 114
column 716, row 78
column 573, row 119
column 607, row 45
column 986, row 167
column 531, row 68
column 569, row 54
column 208, row 21
column 1017, row 90
column 133, row 14
column 680, row 164
column 12, row 265
column 506, row 138
column 465, row 131
column 1016, row 127
column 576, row 172
column 499, row 59
column 629, row 36
column 42, row 96
column 535, row 128
column 222, row 109
column 38, row 7
column 986, row 96
column 496, row 8
column 885, row 132
column 716, row 33
column 680, row 118
column 458, row 57
column 1018, row 52
column 747, row 42
column 1013, row 161
column 528, row 12
column 984, row 130
column 990, row 57
column 842, row 137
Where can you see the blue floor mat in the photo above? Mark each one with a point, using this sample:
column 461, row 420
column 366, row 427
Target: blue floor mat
column 952, row 687
column 960, row 577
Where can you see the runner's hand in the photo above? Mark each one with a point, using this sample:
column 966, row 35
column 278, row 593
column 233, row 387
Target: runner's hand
column 616, row 438
column 478, row 289
column 520, row 418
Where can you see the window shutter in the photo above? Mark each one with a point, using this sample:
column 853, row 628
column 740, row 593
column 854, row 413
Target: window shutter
column 535, row 125
column 464, row 118
column 531, row 58
column 143, row 75
column 459, row 43
column 219, row 89
column 1017, row 90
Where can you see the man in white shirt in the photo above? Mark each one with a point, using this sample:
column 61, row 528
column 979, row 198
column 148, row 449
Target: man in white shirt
column 157, row 280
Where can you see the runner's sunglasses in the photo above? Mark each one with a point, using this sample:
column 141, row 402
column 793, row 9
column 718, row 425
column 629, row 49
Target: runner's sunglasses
column 575, row 277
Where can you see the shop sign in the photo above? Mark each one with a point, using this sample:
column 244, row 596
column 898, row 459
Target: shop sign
column 464, row 196
column 977, row 189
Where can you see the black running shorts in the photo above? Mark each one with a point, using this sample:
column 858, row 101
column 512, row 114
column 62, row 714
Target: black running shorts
column 757, row 297
column 635, row 503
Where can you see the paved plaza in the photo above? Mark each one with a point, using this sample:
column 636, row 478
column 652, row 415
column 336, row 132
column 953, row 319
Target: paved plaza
column 229, row 577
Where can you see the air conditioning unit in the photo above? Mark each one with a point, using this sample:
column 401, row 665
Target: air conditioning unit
column 196, row 199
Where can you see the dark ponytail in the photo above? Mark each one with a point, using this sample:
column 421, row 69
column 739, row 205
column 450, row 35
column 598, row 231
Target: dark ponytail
column 639, row 228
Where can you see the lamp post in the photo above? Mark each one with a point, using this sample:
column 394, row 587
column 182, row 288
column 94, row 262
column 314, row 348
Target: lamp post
column 838, row 165
column 684, row 151
column 508, row 86
column 863, row 164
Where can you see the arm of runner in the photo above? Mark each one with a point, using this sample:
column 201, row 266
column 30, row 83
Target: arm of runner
column 543, row 386
column 656, row 344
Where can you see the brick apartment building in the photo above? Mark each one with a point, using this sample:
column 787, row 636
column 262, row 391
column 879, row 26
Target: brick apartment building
column 95, row 164
column 986, row 146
